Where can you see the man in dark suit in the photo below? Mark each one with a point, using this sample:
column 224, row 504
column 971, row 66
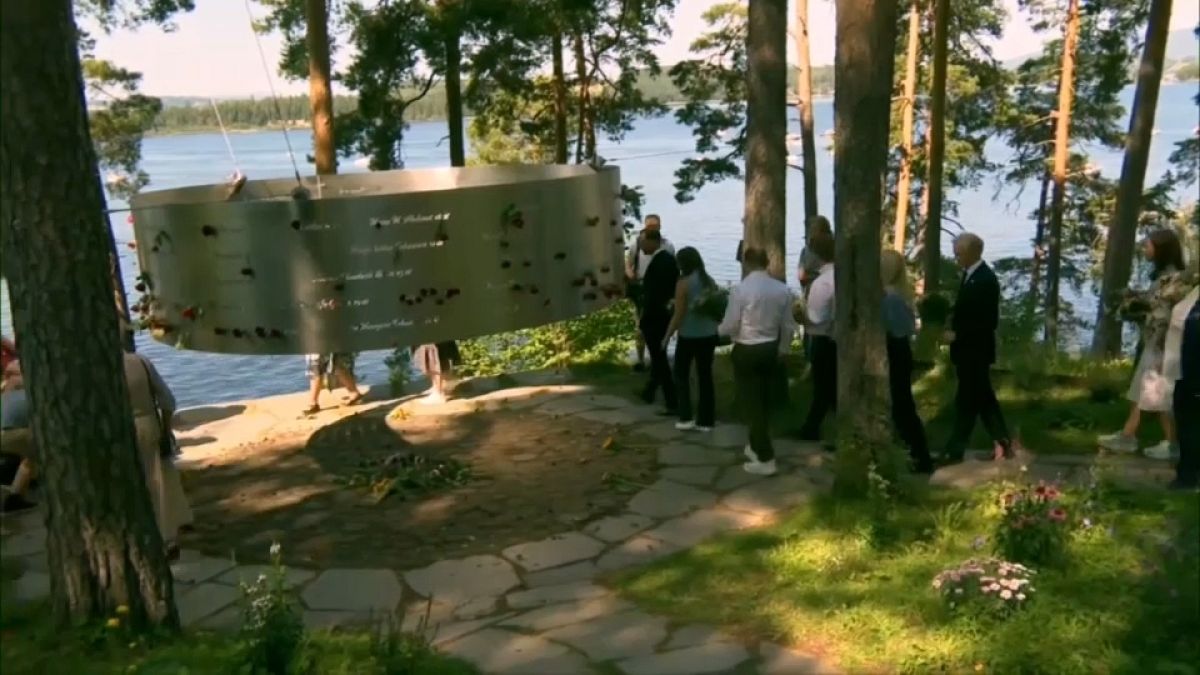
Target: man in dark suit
column 972, row 341
column 658, row 289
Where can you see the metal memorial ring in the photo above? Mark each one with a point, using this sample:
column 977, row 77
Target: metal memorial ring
column 377, row 260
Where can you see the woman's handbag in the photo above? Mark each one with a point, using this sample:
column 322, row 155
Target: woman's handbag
column 168, row 445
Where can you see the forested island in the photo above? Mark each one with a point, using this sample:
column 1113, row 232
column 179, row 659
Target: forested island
column 183, row 115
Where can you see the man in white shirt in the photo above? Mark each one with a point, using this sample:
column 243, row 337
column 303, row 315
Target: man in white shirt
column 636, row 262
column 819, row 329
column 759, row 321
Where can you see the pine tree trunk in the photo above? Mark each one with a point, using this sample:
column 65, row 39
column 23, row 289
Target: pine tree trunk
column 1118, row 255
column 909, row 104
column 1058, row 192
column 454, row 100
column 766, row 131
column 1039, row 244
column 804, row 106
column 937, row 148
column 866, row 39
column 583, row 146
column 560, row 99
column 320, row 90
column 103, row 544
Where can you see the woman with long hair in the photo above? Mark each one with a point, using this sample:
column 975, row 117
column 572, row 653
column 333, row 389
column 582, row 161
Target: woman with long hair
column 697, row 340
column 901, row 324
column 1150, row 390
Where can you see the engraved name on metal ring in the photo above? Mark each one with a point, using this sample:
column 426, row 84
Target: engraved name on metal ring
column 377, row 260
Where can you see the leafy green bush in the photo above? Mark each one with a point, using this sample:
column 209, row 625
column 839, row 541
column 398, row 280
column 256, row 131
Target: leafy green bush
column 272, row 629
column 400, row 369
column 605, row 335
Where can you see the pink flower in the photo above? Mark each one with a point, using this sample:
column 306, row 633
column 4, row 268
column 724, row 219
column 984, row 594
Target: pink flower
column 1058, row 515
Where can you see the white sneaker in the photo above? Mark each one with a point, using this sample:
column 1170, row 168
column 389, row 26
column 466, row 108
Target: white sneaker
column 760, row 468
column 685, row 426
column 434, row 398
column 750, row 454
column 1118, row 442
column 1162, row 450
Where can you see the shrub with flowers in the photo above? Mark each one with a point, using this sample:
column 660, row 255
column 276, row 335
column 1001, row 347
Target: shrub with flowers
column 1033, row 528
column 273, row 630
column 996, row 586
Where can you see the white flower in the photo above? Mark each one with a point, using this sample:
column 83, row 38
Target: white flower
column 1020, row 596
column 1006, row 594
column 276, row 549
column 958, row 591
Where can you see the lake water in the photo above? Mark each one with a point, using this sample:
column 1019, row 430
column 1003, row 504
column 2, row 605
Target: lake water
column 648, row 157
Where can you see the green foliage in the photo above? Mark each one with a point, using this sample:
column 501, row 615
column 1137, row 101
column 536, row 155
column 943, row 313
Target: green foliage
column 401, row 653
column 272, row 630
column 1033, row 526
column 406, row 474
column 400, row 369
column 603, row 336
column 117, row 128
column 1126, row 604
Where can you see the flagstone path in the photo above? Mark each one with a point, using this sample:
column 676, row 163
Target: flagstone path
column 537, row 607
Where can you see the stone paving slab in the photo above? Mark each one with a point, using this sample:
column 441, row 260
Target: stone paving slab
column 616, row 636
column 617, row 417
column 666, row 498
column 771, row 495
column 778, row 660
column 693, row 635
column 727, row 436
column 228, row 620
column 973, row 473
column 566, row 613
column 694, row 528
column 636, row 551
column 546, row 595
column 663, row 430
column 203, row 600
column 30, row 587
column 700, row 476
column 444, row 633
column 248, row 574
column 456, row 581
column 582, row 571
column 610, row 401
column 554, row 551
column 733, row 478
column 709, row 658
column 354, row 590
column 200, row 569
column 503, row 652
column 618, row 528
column 567, row 405
column 688, row 454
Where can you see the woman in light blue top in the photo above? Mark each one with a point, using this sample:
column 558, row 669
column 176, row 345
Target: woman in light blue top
column 697, row 340
column 901, row 324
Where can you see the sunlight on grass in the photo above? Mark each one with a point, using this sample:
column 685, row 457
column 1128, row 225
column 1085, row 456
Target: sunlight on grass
column 816, row 582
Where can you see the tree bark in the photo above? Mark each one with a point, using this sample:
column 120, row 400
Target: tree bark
column 1118, row 254
column 863, row 66
column 454, row 99
column 1039, row 245
column 766, row 131
column 1058, row 192
column 585, row 145
column 320, row 90
column 560, row 99
column 103, row 543
column 937, row 148
column 804, row 106
column 904, row 182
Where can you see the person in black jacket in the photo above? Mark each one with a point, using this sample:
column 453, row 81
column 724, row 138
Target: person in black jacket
column 972, row 341
column 658, row 289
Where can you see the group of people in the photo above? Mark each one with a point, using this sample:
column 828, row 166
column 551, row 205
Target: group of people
column 153, row 407
column 435, row 361
column 762, row 317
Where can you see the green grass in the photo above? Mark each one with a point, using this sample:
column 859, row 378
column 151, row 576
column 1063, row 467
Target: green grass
column 30, row 644
column 1123, row 603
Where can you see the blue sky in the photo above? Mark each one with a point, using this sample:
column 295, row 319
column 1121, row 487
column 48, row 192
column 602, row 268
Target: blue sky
column 213, row 52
